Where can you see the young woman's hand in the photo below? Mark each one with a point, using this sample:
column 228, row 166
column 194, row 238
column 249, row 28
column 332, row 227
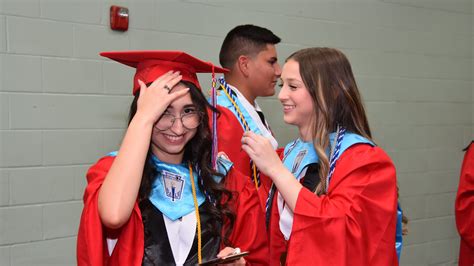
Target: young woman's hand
column 268, row 162
column 154, row 100
column 262, row 153
column 230, row 251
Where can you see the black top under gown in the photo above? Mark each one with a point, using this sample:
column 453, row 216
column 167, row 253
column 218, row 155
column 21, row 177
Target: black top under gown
column 311, row 178
column 310, row 181
column 157, row 250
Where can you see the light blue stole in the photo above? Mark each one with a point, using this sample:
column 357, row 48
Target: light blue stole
column 224, row 101
column 171, row 191
column 299, row 154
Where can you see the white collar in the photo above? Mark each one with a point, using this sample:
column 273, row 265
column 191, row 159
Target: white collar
column 252, row 111
column 244, row 100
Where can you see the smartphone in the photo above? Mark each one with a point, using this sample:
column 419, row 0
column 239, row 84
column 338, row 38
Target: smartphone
column 226, row 259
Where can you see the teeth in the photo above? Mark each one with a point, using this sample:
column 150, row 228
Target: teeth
column 289, row 107
column 173, row 138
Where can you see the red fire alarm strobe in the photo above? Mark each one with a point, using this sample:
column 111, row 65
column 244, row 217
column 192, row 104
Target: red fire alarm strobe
column 119, row 18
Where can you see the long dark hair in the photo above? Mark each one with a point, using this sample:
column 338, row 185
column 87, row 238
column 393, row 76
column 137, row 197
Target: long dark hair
column 198, row 152
column 327, row 74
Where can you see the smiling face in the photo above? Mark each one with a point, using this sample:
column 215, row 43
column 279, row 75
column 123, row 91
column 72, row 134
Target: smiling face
column 168, row 145
column 298, row 106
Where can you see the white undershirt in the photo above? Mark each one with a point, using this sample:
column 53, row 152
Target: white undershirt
column 181, row 233
column 111, row 242
column 252, row 111
column 286, row 214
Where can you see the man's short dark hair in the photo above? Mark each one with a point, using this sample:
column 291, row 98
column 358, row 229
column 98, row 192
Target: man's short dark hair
column 246, row 40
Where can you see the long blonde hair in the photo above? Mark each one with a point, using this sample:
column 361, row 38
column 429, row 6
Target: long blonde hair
column 327, row 74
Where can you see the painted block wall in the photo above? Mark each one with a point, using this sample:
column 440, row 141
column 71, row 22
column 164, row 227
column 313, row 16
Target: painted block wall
column 62, row 106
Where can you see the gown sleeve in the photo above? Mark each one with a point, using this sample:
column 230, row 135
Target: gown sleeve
column 464, row 208
column 249, row 232
column 355, row 223
column 91, row 240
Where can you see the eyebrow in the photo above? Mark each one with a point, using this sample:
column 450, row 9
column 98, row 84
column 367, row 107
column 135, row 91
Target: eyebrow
column 292, row 80
column 171, row 107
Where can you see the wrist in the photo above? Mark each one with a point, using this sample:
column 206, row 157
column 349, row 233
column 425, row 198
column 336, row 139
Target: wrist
column 142, row 119
column 277, row 171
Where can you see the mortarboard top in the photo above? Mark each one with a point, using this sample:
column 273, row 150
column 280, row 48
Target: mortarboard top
column 154, row 63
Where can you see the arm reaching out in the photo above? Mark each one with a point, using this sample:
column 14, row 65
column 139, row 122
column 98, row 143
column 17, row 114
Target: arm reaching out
column 268, row 162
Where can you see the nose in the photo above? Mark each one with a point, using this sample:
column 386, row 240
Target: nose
column 177, row 127
column 282, row 95
column 277, row 69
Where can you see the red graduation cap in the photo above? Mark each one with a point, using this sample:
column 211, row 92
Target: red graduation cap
column 154, row 63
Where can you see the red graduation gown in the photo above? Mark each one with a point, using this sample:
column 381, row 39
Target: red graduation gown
column 354, row 224
column 229, row 135
column 464, row 208
column 248, row 232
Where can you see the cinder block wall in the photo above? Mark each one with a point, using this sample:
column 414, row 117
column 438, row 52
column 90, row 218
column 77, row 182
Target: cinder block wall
column 62, row 107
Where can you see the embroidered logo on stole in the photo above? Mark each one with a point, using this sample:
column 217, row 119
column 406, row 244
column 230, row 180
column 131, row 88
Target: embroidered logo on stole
column 299, row 158
column 298, row 155
column 173, row 184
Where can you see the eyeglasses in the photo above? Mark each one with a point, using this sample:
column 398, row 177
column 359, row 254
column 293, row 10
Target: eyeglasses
column 189, row 121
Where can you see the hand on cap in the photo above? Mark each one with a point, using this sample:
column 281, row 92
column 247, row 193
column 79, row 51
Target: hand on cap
column 154, row 100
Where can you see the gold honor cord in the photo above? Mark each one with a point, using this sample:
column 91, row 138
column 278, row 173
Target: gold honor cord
column 247, row 128
column 198, row 218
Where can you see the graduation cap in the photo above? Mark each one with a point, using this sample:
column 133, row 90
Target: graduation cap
column 154, row 63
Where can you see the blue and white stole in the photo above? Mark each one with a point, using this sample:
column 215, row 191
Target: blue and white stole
column 250, row 119
column 171, row 191
column 398, row 234
column 299, row 154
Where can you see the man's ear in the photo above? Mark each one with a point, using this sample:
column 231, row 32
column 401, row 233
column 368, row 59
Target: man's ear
column 243, row 64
